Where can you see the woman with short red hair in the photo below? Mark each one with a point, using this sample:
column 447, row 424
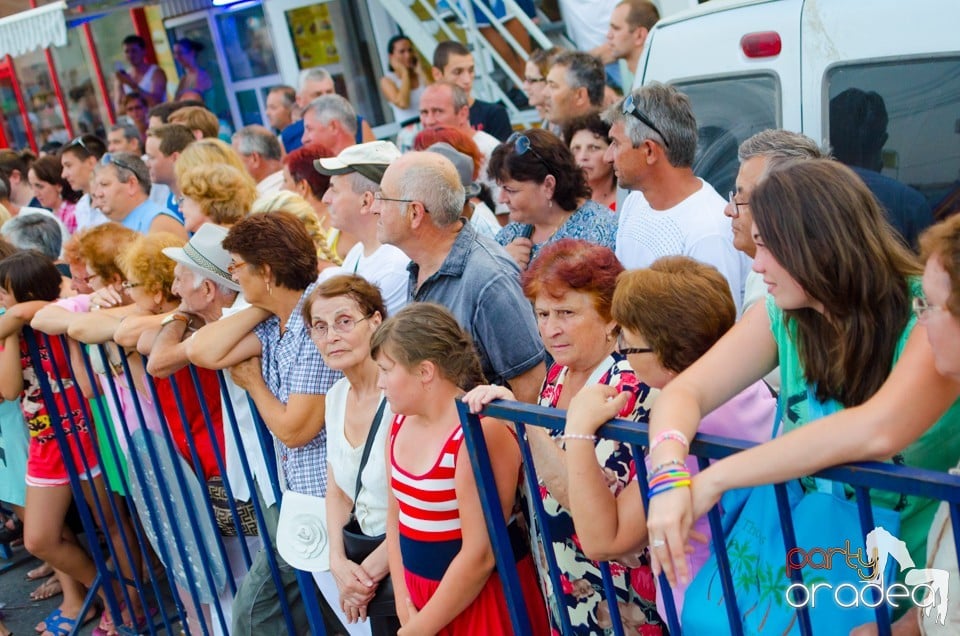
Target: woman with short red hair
column 571, row 285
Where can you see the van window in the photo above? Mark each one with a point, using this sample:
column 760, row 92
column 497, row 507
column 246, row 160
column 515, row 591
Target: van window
column 728, row 110
column 901, row 119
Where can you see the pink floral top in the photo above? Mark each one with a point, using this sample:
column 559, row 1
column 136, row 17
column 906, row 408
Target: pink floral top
column 582, row 594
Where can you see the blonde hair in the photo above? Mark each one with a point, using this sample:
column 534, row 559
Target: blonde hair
column 299, row 207
column 143, row 262
column 206, row 152
column 4, row 215
column 224, row 194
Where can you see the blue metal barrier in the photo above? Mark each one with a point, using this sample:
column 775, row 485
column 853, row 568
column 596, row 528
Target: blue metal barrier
column 162, row 589
column 863, row 477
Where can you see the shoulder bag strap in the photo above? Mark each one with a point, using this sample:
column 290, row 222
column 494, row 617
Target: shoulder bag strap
column 366, row 450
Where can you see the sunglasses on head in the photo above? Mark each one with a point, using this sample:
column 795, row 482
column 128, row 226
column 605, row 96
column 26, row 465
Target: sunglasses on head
column 521, row 144
column 630, row 107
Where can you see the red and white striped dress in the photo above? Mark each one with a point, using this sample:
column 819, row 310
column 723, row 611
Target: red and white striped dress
column 430, row 538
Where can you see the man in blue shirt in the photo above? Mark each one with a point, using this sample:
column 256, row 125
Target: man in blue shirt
column 121, row 187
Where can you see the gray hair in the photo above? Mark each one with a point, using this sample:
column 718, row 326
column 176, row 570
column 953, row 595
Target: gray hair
column 129, row 165
column 584, row 71
column 328, row 108
column 459, row 96
column 316, row 74
column 777, row 143
column 441, row 192
column 129, row 131
column 258, row 140
column 360, row 184
column 34, row 231
column 670, row 111
column 199, row 279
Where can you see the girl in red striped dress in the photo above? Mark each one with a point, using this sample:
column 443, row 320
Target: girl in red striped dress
column 441, row 560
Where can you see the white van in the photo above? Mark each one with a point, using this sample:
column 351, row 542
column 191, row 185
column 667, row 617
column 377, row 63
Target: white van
column 752, row 65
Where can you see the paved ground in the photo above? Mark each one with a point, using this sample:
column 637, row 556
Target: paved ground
column 20, row 613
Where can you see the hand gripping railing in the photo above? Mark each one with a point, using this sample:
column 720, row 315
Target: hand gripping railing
column 861, row 476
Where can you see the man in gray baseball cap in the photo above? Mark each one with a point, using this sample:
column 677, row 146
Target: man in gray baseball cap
column 355, row 176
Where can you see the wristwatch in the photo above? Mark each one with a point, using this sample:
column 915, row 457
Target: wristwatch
column 185, row 319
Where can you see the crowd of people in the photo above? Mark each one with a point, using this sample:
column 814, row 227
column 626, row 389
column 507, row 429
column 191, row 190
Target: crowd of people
column 351, row 291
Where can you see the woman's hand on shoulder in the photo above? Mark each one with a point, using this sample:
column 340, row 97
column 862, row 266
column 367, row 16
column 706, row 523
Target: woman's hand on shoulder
column 480, row 396
column 520, row 250
column 592, row 406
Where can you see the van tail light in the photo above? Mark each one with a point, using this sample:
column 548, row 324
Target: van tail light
column 761, row 44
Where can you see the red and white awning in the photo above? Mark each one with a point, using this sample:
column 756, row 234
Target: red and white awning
column 33, row 29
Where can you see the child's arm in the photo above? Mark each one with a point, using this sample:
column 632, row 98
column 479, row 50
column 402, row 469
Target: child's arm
column 11, row 375
column 470, row 569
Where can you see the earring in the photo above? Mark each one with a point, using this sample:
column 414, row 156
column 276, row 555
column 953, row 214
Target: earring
column 269, row 289
column 551, row 203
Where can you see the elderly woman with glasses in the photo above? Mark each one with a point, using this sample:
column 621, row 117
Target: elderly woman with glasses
column 343, row 313
column 268, row 350
column 660, row 336
column 571, row 285
column 548, row 196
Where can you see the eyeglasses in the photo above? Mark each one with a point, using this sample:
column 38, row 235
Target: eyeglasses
column 130, row 285
column 534, row 80
column 630, row 107
column 110, row 158
column 234, row 266
column 629, row 351
column 342, row 325
column 378, row 196
column 736, row 205
column 922, row 308
column 521, row 144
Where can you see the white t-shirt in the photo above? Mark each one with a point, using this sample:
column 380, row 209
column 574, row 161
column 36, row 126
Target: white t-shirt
column 87, row 215
column 345, row 460
column 386, row 268
column 483, row 221
column 587, row 21
column 695, row 227
column 487, row 143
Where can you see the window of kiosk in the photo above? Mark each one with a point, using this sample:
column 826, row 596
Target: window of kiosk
column 75, row 71
column 43, row 110
column 248, row 47
column 909, row 130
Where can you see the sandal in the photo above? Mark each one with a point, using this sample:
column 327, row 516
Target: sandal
column 48, row 589
column 64, row 626
column 52, row 618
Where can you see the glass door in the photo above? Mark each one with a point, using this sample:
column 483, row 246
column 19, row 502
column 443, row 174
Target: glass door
column 196, row 27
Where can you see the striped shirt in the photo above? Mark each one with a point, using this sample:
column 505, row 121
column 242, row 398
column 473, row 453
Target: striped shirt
column 428, row 509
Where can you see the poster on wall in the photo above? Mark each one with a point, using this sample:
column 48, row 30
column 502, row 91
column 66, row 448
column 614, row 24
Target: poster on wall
column 313, row 36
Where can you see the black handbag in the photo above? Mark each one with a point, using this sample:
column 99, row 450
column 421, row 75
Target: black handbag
column 357, row 546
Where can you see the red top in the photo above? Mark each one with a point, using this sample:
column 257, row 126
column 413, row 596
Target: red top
column 428, row 502
column 210, row 388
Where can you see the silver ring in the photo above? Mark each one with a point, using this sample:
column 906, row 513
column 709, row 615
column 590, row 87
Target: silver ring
column 657, row 543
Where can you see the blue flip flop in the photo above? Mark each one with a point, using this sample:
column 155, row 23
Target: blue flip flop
column 52, row 619
column 63, row 626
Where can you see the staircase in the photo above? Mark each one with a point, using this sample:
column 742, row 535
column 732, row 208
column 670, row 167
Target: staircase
column 422, row 22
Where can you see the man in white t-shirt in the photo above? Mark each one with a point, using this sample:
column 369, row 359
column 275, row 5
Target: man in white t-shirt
column 355, row 176
column 653, row 137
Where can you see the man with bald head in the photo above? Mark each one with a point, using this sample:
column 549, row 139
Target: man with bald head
column 418, row 209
